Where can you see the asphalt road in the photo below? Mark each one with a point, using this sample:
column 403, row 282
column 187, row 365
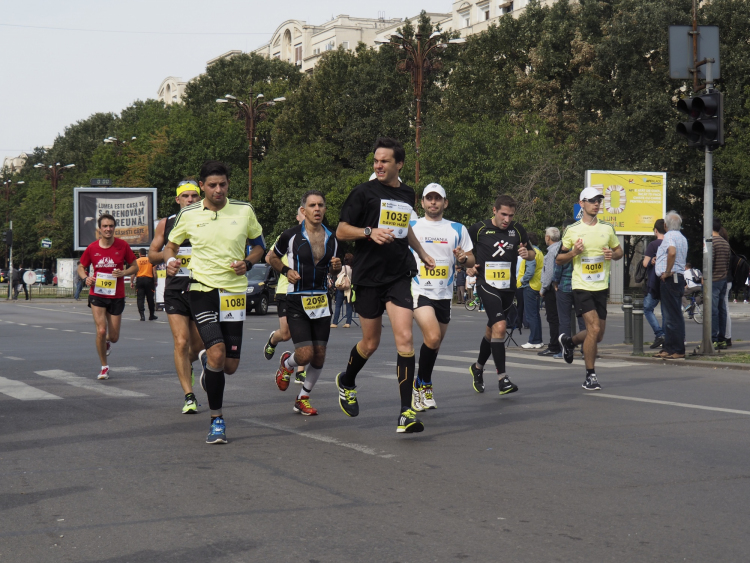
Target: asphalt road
column 652, row 468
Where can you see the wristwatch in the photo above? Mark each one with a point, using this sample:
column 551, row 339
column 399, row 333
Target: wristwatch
column 248, row 265
column 368, row 232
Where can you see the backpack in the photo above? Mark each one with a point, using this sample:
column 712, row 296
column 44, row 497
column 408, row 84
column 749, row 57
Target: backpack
column 640, row 272
column 342, row 280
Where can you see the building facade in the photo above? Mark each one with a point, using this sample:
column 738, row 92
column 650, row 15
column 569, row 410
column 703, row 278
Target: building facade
column 171, row 90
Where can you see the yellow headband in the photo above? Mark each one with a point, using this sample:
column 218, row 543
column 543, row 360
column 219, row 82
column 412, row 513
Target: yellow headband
column 187, row 187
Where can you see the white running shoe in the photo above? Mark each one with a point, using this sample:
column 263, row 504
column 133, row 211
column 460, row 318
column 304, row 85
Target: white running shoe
column 530, row 346
column 428, row 400
column 417, row 399
column 109, row 347
column 104, row 374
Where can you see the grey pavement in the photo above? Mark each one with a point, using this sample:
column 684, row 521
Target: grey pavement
column 652, row 468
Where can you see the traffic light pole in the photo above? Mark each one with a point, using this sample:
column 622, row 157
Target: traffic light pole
column 10, row 265
column 707, row 347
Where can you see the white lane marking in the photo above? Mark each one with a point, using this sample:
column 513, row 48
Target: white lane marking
column 127, row 369
column 86, row 332
column 507, row 364
column 577, row 360
column 68, row 330
column 391, row 376
column 24, row 392
column 14, row 358
column 36, row 326
column 50, row 328
column 560, row 364
column 320, row 438
column 670, row 403
column 23, row 324
column 88, row 384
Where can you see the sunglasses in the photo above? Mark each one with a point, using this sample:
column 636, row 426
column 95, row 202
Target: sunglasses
column 192, row 182
column 594, row 200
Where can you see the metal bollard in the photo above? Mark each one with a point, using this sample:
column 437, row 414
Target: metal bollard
column 637, row 326
column 627, row 307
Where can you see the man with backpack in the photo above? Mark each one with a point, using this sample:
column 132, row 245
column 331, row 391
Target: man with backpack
column 652, row 298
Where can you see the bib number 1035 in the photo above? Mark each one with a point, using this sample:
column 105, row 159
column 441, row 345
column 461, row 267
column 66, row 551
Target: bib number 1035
column 395, row 215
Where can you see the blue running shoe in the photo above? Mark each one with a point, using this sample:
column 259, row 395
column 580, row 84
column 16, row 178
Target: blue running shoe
column 217, row 434
column 204, row 362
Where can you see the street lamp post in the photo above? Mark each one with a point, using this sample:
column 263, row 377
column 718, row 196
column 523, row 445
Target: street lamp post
column 54, row 174
column 417, row 63
column 8, row 192
column 117, row 142
column 252, row 111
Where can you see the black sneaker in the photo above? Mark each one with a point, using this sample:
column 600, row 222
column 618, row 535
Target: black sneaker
column 567, row 347
column 591, row 383
column 478, row 378
column 507, row 386
column 269, row 349
column 408, row 422
column 658, row 342
column 347, row 398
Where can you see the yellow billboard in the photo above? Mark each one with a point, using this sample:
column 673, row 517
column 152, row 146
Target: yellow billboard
column 633, row 201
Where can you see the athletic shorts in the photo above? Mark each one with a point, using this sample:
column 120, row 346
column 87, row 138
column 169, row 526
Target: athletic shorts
column 586, row 301
column 114, row 307
column 498, row 304
column 204, row 306
column 176, row 302
column 304, row 330
column 369, row 302
column 442, row 307
column 281, row 306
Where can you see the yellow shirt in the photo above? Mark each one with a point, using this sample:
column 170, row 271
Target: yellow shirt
column 535, row 282
column 218, row 238
column 283, row 284
column 590, row 269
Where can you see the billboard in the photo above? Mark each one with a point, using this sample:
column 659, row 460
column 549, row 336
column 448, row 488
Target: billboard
column 633, row 201
column 134, row 209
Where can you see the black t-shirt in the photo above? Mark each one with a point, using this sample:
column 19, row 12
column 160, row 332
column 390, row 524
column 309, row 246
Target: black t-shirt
column 373, row 204
column 295, row 244
column 499, row 248
column 652, row 283
column 181, row 281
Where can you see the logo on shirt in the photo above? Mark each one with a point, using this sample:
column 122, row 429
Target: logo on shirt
column 512, row 233
column 233, row 223
column 435, row 240
column 228, row 316
column 501, row 248
column 201, row 224
column 106, row 263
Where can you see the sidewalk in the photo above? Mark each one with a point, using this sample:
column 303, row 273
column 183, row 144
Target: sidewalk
column 736, row 310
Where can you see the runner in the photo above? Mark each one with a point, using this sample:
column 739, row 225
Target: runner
column 376, row 215
column 311, row 248
column 499, row 242
column 282, row 334
column 591, row 244
column 446, row 241
column 187, row 340
column 218, row 229
column 109, row 255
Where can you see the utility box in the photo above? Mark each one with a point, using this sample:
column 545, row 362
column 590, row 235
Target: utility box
column 66, row 272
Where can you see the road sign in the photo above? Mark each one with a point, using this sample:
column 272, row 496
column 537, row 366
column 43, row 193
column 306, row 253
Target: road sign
column 96, row 182
column 29, row 277
column 46, row 243
column 681, row 51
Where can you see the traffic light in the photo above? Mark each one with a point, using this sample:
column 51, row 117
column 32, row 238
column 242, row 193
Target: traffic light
column 8, row 237
column 705, row 125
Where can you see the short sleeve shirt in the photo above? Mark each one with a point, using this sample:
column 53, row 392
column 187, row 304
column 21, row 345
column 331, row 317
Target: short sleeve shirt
column 676, row 239
column 651, row 251
column 595, row 239
column 374, row 205
column 105, row 260
column 497, row 252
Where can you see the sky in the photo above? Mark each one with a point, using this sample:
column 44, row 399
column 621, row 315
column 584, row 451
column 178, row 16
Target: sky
column 61, row 61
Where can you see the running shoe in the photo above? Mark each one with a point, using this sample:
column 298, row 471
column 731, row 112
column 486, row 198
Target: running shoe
column 104, row 374
column 417, row 398
column 428, row 400
column 269, row 350
column 109, row 347
column 203, row 357
column 283, row 374
column 191, row 405
column 591, row 383
column 347, row 398
column 408, row 422
column 478, row 378
column 302, row 406
column 567, row 347
column 506, row 386
column 300, row 377
column 218, row 432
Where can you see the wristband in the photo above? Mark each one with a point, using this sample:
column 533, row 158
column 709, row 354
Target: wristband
column 284, row 270
column 248, row 265
column 465, row 260
column 170, row 260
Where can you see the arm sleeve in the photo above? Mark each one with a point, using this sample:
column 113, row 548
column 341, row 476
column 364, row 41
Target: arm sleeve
column 465, row 243
column 282, row 243
column 257, row 241
column 352, row 211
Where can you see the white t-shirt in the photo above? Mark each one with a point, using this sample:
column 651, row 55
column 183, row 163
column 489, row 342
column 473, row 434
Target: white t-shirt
column 692, row 280
column 439, row 239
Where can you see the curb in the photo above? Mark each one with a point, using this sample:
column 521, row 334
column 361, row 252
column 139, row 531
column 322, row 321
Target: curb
column 686, row 362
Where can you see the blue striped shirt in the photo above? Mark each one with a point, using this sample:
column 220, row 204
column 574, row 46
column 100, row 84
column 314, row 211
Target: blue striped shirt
column 676, row 239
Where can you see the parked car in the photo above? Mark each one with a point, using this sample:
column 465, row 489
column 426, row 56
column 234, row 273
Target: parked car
column 43, row 276
column 3, row 275
column 261, row 288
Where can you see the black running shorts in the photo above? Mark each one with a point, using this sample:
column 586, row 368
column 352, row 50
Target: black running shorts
column 114, row 307
column 176, row 302
column 369, row 302
column 498, row 304
column 442, row 307
column 586, row 301
column 204, row 306
column 281, row 305
column 304, row 330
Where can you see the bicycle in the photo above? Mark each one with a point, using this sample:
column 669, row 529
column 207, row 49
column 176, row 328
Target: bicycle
column 694, row 309
column 472, row 303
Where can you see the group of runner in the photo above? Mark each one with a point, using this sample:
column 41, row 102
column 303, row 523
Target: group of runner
column 403, row 264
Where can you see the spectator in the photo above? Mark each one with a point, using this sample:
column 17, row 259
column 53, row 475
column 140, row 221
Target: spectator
column 548, row 293
column 653, row 285
column 722, row 254
column 670, row 268
column 563, row 284
column 730, row 281
column 77, row 285
column 344, row 292
column 460, row 285
column 694, row 284
column 145, row 283
column 19, row 282
column 470, row 283
column 530, row 280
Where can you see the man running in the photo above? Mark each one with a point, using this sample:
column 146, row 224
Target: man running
column 218, row 229
column 376, row 216
column 591, row 244
column 311, row 248
column 109, row 256
column 499, row 243
column 187, row 340
column 447, row 242
column 282, row 334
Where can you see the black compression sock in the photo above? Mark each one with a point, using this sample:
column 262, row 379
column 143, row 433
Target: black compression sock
column 215, row 390
column 357, row 361
column 498, row 354
column 427, row 357
column 405, row 364
column 485, row 351
column 590, row 372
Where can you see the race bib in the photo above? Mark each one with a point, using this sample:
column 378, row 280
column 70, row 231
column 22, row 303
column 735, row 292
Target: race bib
column 184, row 255
column 395, row 215
column 593, row 268
column 497, row 274
column 106, row 284
column 316, row 306
column 436, row 277
column 161, row 273
column 232, row 307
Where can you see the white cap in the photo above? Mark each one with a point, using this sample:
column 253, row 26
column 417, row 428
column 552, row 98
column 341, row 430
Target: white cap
column 590, row 193
column 434, row 188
